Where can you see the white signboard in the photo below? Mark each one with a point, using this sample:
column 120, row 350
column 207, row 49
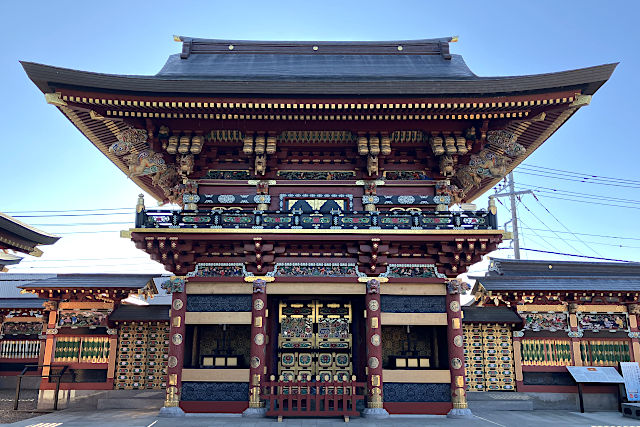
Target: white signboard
column 592, row 374
column 631, row 374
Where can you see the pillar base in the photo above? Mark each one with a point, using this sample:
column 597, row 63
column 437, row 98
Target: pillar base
column 460, row 413
column 171, row 411
column 375, row 413
column 255, row 412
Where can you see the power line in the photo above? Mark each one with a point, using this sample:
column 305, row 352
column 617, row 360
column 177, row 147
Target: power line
column 592, row 235
column 577, row 180
column 73, row 210
column 580, row 174
column 564, row 226
column 591, row 241
column 591, row 203
column 574, row 193
column 65, row 215
column 574, row 255
column 557, row 235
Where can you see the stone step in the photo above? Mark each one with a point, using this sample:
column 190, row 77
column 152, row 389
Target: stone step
column 501, row 405
column 129, row 403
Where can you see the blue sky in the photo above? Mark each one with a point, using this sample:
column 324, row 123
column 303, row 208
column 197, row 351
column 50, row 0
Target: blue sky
column 48, row 165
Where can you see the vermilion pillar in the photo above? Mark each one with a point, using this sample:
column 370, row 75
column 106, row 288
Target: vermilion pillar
column 175, row 362
column 374, row 352
column 258, row 347
column 634, row 332
column 455, row 339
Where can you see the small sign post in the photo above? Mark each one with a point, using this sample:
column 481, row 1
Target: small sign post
column 594, row 375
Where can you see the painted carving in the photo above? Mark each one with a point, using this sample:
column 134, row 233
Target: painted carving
column 146, row 162
column 436, row 145
column 406, row 176
column 127, row 140
column 82, row 318
column 21, row 328
column 260, row 164
column 259, row 286
column 373, row 286
column 316, row 175
column 218, row 270
column 174, row 285
column 457, row 286
column 316, row 269
column 228, row 174
column 185, row 163
column 485, row 164
column 444, row 188
column 604, row 321
column 506, row 141
column 447, row 165
column 545, row 321
column 372, row 165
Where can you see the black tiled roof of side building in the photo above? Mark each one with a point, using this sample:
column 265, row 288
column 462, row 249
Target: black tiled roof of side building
column 151, row 313
column 500, row 267
column 488, row 314
column 607, row 284
column 131, row 281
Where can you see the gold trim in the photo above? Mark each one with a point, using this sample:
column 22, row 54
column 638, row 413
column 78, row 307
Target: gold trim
column 309, row 231
column 541, row 307
column 431, row 376
column 218, row 318
column 413, row 319
column 379, row 279
column 251, row 279
column 216, row 375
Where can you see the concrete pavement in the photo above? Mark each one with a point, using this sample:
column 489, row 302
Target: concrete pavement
column 137, row 418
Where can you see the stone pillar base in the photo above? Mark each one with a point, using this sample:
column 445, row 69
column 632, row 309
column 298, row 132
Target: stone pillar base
column 171, row 411
column 375, row 413
column 460, row 413
column 255, row 412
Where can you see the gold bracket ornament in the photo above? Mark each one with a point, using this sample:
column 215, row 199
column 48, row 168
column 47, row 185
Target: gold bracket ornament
column 172, row 397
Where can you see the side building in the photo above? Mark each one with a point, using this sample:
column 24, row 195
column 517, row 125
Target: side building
column 573, row 314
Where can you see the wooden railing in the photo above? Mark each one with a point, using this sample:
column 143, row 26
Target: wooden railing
column 340, row 220
column 313, row 399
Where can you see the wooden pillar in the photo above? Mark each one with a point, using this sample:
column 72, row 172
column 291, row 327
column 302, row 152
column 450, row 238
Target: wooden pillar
column 257, row 367
column 574, row 335
column 634, row 332
column 517, row 355
column 49, row 344
column 455, row 340
column 373, row 334
column 175, row 362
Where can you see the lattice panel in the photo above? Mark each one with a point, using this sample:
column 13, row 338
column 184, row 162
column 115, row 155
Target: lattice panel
column 142, row 354
column 489, row 357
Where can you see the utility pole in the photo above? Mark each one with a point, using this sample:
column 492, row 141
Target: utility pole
column 514, row 215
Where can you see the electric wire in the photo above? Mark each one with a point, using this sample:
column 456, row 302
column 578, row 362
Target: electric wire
column 564, row 226
column 579, row 173
column 574, row 255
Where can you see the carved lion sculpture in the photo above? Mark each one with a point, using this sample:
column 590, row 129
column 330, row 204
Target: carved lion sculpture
column 372, row 165
column 446, row 165
column 261, row 164
column 145, row 162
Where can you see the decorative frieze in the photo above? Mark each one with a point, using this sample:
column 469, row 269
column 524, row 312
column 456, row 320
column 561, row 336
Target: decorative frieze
column 413, row 304
column 226, row 199
column 411, row 392
column 82, row 318
column 545, row 322
column 414, row 175
column 218, row 391
column 316, row 175
column 412, row 270
column 219, row 269
column 406, row 200
column 228, row 174
column 602, row 322
column 316, row 269
column 218, row 303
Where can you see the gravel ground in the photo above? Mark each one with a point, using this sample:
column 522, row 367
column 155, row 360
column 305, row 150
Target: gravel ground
column 26, row 406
